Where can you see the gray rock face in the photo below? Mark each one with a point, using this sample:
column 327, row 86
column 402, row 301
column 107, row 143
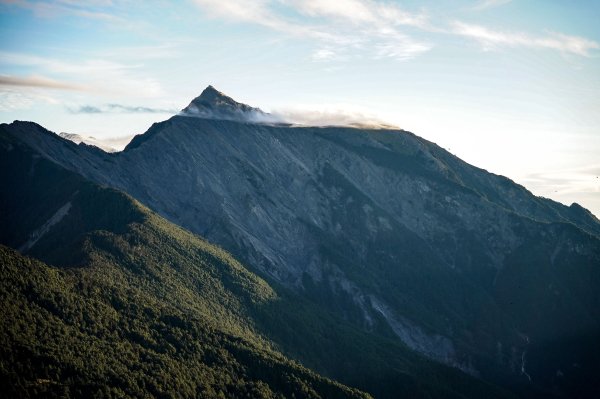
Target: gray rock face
column 386, row 228
column 212, row 104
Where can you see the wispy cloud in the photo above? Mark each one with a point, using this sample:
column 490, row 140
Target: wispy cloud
column 22, row 98
column 555, row 41
column 85, row 66
column 360, row 12
column 365, row 26
column 379, row 29
column 95, row 9
column 325, row 54
column 39, row 82
column 490, row 4
column 119, row 108
column 567, row 180
column 330, row 115
column 400, row 50
column 97, row 75
column 349, row 10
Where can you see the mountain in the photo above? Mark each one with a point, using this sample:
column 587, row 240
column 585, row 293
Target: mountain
column 125, row 303
column 213, row 104
column 106, row 298
column 406, row 245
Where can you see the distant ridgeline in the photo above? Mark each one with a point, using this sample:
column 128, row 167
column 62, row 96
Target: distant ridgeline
column 371, row 257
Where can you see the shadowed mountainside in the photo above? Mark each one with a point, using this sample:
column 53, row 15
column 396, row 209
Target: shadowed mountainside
column 380, row 228
column 132, row 305
column 123, row 303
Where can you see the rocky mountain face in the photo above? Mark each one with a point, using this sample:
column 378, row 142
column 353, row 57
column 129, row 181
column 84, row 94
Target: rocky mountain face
column 213, row 104
column 106, row 298
column 118, row 302
column 379, row 227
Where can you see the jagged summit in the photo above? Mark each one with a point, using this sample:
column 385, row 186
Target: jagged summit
column 211, row 97
column 213, row 104
column 214, row 99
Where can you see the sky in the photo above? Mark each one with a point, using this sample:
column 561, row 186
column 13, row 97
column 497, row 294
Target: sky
column 511, row 86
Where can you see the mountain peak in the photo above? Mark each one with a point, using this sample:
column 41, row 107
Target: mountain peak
column 213, row 104
column 210, row 95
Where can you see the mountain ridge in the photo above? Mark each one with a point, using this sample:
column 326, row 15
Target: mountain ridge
column 163, row 312
column 165, row 322
column 384, row 228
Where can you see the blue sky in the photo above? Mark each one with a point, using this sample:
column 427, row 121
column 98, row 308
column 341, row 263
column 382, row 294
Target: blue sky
column 510, row 86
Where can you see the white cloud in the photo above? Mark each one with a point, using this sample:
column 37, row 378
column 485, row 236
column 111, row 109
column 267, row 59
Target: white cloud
column 98, row 9
column 361, row 12
column 365, row 26
column 400, row 51
column 330, row 115
column 22, row 98
column 324, row 54
column 555, row 41
column 352, row 10
column 238, row 9
column 93, row 75
column 11, row 100
column 377, row 29
column 397, row 16
column 490, row 4
column 261, row 14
